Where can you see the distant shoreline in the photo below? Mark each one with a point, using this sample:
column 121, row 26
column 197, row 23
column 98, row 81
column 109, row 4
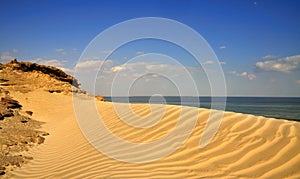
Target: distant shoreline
column 287, row 108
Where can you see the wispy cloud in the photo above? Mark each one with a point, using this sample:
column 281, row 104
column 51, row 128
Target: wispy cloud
column 140, row 68
column 209, row 62
column 6, row 57
column 139, row 53
column 61, row 51
column 106, row 51
column 118, row 68
column 269, row 57
column 222, row 47
column 151, row 76
column 53, row 62
column 93, row 65
column 243, row 74
column 285, row 65
column 84, row 66
column 148, row 75
column 15, row 50
column 48, row 62
column 67, row 70
column 223, row 63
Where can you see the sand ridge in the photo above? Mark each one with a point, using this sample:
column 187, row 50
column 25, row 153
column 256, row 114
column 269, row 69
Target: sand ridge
column 245, row 146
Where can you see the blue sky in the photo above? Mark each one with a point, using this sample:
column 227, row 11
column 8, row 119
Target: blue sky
column 258, row 42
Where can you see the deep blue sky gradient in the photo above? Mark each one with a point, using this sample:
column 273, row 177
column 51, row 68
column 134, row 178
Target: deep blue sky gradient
column 249, row 30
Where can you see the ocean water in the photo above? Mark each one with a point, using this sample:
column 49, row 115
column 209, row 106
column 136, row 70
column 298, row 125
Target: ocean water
column 276, row 107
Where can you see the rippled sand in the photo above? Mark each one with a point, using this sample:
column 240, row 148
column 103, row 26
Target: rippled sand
column 245, row 146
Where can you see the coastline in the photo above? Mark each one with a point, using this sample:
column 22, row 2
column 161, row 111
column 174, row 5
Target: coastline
column 287, row 108
column 245, row 146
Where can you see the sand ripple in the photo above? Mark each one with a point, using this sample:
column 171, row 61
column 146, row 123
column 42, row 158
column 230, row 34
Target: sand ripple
column 245, row 146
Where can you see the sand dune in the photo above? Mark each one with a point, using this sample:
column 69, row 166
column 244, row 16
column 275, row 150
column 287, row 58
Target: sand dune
column 245, row 146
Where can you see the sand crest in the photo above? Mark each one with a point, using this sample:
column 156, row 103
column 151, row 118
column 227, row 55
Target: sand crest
column 245, row 146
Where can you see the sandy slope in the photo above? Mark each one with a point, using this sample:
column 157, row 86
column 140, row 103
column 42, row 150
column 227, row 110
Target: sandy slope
column 245, row 146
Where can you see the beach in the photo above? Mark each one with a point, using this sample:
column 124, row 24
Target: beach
column 245, row 146
column 149, row 89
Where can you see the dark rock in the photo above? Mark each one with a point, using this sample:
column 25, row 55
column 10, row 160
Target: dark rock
column 29, row 158
column 56, row 91
column 7, row 113
column 3, row 80
column 2, row 170
column 45, row 134
column 41, row 140
column 10, row 103
column 7, row 84
column 29, row 113
column 24, row 121
column 24, row 142
column 100, row 98
column 4, row 112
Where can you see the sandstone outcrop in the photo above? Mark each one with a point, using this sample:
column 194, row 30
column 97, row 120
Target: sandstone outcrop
column 27, row 76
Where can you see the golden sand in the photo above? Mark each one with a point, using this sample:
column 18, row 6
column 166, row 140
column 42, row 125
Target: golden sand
column 245, row 146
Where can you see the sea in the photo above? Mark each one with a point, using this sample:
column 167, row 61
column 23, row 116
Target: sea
column 274, row 107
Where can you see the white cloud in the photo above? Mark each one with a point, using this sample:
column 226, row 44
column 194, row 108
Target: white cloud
column 139, row 53
column 222, row 47
column 67, row 70
column 208, row 62
column 52, row 62
column 88, row 64
column 232, row 72
column 106, row 51
column 6, row 57
column 48, row 62
column 139, row 68
column 154, row 75
column 61, row 51
column 118, row 68
column 93, row 65
column 268, row 57
column 243, row 74
column 149, row 77
column 249, row 76
column 285, row 65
